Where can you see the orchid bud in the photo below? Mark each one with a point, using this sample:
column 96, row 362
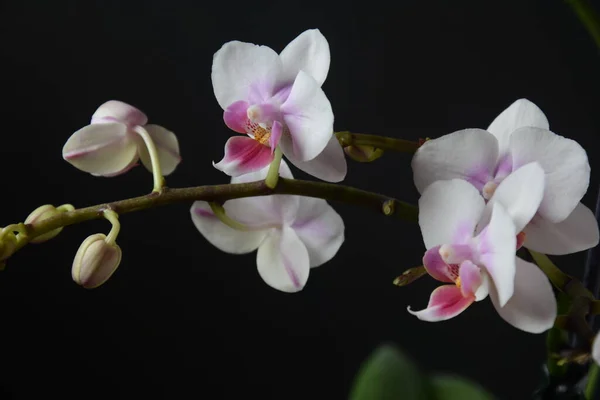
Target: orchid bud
column 8, row 244
column 95, row 261
column 40, row 214
column 363, row 153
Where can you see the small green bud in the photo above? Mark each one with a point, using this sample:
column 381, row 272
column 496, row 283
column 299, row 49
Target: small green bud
column 95, row 261
column 8, row 243
column 363, row 153
column 409, row 276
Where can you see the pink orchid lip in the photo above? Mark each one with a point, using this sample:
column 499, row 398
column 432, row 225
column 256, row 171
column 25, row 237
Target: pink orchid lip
column 244, row 155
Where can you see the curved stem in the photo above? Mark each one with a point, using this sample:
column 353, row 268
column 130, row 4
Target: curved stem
column 273, row 174
column 159, row 180
column 380, row 142
column 220, row 193
column 113, row 218
column 588, row 17
column 220, row 213
column 559, row 279
column 590, row 387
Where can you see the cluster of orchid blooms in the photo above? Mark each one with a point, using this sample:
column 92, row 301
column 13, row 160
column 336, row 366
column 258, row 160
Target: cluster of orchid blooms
column 484, row 193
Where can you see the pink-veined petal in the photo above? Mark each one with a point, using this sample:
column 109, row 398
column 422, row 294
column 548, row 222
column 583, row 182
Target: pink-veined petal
column 308, row 116
column 520, row 195
column 320, row 228
column 497, row 245
column 532, row 307
column 222, row 236
column 469, row 154
column 578, row 232
column 330, row 165
column 167, row 148
column 236, row 116
column 563, row 160
column 445, row 302
column 437, row 267
column 101, row 149
column 276, row 132
column 470, row 278
column 283, row 261
column 261, row 210
column 117, row 111
column 519, row 114
column 244, row 155
column 240, row 67
column 448, row 212
column 308, row 52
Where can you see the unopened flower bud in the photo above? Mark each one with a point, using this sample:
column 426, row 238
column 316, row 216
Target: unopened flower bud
column 40, row 214
column 409, row 276
column 95, row 261
column 363, row 153
column 8, row 243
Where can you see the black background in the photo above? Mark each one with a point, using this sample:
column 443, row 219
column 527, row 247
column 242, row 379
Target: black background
column 179, row 319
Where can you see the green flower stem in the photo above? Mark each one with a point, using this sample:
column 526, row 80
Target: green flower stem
column 159, row 180
column 273, row 174
column 588, row 17
column 221, row 193
column 380, row 142
column 563, row 282
column 220, row 213
column 113, row 218
column 590, row 387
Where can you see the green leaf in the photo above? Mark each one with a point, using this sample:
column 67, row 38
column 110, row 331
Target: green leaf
column 447, row 387
column 388, row 375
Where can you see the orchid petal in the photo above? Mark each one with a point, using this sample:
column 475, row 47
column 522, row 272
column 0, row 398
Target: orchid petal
column 283, row 261
column 261, row 174
column 448, row 212
column 320, row 228
column 532, row 307
column 519, row 114
column 469, row 154
column 330, row 165
column 222, row 236
column 236, row 116
column 167, row 148
column 437, row 267
column 101, row 149
column 470, row 278
column 308, row 116
column 445, row 302
column 308, row 52
column 520, row 195
column 497, row 246
column 244, row 155
column 239, row 68
column 578, row 232
column 263, row 210
column 117, row 111
column 563, row 160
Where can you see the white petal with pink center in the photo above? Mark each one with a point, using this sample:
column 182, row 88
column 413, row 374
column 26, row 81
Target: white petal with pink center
column 477, row 260
column 519, row 136
column 278, row 99
column 291, row 234
column 111, row 145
